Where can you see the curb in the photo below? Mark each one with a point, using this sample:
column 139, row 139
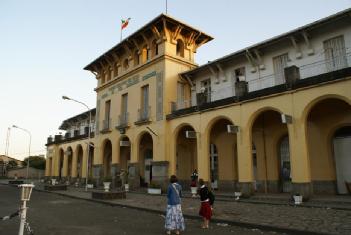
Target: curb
column 230, row 222
column 257, row 202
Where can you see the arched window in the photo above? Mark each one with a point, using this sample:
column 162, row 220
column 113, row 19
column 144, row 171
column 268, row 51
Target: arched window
column 154, row 48
column 125, row 64
column 103, row 75
column 136, row 58
column 107, row 74
column 180, row 48
column 115, row 70
column 145, row 54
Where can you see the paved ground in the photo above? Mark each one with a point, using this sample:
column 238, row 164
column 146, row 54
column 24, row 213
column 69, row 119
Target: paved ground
column 318, row 220
column 52, row 214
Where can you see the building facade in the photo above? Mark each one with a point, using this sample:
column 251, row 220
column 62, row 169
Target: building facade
column 273, row 117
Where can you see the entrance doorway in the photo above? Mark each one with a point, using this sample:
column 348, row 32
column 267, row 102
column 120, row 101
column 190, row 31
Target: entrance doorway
column 148, row 165
column 285, row 168
column 342, row 155
column 214, row 166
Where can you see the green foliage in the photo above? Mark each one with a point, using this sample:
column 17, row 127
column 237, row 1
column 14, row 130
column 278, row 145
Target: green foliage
column 107, row 179
column 154, row 184
column 35, row 162
column 11, row 165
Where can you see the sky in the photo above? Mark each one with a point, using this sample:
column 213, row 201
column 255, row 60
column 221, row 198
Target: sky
column 44, row 46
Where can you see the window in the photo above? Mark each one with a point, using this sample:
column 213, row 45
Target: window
column 180, row 48
column 279, row 63
column 136, row 58
column 144, row 112
column 108, row 74
column 239, row 74
column 115, row 70
column 106, row 123
column 145, row 54
column 154, row 48
column 111, row 72
column 180, row 96
column 125, row 64
column 206, row 89
column 335, row 53
column 102, row 78
column 124, row 110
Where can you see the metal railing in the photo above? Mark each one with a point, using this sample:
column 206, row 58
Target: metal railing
column 106, row 125
column 180, row 105
column 144, row 114
column 123, row 119
column 315, row 68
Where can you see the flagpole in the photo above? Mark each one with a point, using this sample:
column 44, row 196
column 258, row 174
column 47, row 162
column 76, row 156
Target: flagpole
column 120, row 40
column 166, row 6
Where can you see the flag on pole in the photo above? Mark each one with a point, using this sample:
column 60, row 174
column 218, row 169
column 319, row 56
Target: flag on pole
column 125, row 23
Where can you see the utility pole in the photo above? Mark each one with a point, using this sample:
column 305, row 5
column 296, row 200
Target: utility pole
column 7, row 141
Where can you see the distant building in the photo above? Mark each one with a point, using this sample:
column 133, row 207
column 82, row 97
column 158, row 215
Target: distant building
column 21, row 172
column 4, row 160
column 274, row 117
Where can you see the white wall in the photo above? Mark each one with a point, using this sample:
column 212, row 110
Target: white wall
column 310, row 65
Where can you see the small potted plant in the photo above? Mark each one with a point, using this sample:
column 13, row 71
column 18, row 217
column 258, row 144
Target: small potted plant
column 193, row 188
column 90, row 183
column 297, row 198
column 107, row 182
column 154, row 188
column 124, row 175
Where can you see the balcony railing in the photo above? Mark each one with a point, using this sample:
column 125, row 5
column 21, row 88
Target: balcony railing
column 106, row 125
column 180, row 105
column 318, row 67
column 307, row 70
column 143, row 115
column 123, row 120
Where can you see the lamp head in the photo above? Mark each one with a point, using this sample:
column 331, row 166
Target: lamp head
column 65, row 97
column 14, row 126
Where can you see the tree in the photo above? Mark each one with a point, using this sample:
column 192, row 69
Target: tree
column 11, row 164
column 36, row 162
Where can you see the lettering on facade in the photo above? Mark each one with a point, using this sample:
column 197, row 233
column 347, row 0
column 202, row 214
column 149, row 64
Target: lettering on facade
column 127, row 83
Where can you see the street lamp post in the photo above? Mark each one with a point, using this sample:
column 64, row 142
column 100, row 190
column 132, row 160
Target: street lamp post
column 30, row 141
column 87, row 167
column 25, row 196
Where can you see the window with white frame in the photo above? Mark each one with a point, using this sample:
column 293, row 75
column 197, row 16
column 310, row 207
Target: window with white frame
column 335, row 53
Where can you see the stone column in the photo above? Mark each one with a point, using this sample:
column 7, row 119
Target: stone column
column 65, row 167
column 74, row 166
column 300, row 163
column 47, row 167
column 56, row 165
column 84, row 163
column 245, row 171
column 203, row 157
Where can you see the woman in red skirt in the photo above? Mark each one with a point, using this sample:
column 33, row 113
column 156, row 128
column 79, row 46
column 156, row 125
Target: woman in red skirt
column 205, row 209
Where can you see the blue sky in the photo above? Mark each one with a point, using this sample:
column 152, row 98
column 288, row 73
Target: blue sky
column 44, row 46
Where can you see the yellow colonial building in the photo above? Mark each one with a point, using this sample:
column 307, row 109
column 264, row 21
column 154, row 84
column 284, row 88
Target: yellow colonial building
column 274, row 117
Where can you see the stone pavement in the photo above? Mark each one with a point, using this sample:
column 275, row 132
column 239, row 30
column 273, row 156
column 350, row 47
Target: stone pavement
column 315, row 218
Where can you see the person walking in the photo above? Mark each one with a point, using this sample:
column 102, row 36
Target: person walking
column 205, row 208
column 174, row 216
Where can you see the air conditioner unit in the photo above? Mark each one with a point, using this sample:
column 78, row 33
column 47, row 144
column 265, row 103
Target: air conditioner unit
column 190, row 134
column 125, row 143
column 287, row 119
column 241, row 78
column 232, row 129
